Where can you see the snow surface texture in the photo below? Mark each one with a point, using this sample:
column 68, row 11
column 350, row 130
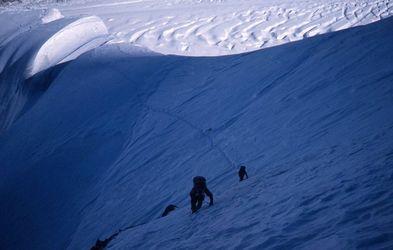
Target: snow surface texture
column 118, row 133
column 220, row 27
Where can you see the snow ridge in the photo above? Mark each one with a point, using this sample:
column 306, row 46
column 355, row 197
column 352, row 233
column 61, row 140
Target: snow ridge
column 69, row 42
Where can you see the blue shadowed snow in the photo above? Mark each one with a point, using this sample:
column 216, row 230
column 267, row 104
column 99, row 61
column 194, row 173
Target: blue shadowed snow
column 120, row 132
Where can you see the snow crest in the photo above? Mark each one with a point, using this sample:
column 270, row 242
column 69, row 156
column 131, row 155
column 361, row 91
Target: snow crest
column 210, row 28
column 68, row 43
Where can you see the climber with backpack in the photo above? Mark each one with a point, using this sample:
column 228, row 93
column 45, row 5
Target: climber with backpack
column 242, row 173
column 198, row 192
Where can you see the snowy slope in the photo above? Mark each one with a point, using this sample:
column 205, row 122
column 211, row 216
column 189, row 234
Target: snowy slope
column 119, row 133
column 220, row 27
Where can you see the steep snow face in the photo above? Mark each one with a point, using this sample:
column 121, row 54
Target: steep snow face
column 121, row 131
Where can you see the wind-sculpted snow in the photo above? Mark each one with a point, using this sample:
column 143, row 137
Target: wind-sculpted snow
column 121, row 131
column 68, row 43
column 228, row 27
column 217, row 27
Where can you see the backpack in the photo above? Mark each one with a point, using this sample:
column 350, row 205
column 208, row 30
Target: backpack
column 199, row 181
column 199, row 186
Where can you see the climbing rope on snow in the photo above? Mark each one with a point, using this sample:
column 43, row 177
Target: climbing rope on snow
column 102, row 244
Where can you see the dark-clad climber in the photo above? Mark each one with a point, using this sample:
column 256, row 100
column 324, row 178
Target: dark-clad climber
column 168, row 209
column 242, row 173
column 198, row 193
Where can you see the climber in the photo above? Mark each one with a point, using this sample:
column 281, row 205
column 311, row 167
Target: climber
column 242, row 173
column 168, row 209
column 198, row 193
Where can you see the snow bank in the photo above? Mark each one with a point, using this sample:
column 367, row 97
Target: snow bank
column 119, row 136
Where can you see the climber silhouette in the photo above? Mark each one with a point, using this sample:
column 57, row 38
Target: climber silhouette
column 242, row 173
column 168, row 209
column 198, row 192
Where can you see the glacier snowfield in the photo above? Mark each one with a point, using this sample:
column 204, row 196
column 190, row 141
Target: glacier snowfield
column 109, row 108
column 219, row 27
